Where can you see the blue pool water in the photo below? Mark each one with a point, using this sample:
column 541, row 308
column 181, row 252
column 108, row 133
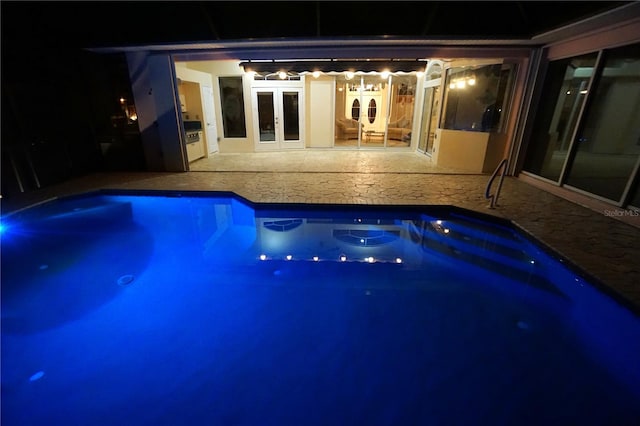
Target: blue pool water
column 162, row 308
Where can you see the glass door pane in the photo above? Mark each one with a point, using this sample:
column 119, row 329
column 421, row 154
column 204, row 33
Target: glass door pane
column 347, row 110
column 424, row 124
column 429, row 117
column 608, row 144
column 290, row 116
column 373, row 110
column 266, row 117
column 433, row 120
column 403, row 89
column 563, row 95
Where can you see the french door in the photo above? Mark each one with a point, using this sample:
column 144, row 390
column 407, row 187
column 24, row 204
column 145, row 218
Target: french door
column 278, row 118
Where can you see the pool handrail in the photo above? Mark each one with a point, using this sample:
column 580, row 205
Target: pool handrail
column 494, row 197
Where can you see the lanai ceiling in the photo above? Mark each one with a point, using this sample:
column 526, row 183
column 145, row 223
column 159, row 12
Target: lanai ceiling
column 103, row 24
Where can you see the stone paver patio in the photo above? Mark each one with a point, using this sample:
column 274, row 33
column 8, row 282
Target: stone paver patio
column 604, row 247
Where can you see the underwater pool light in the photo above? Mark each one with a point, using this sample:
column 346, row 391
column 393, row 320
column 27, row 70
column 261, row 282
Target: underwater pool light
column 343, row 258
column 289, row 257
column 263, row 257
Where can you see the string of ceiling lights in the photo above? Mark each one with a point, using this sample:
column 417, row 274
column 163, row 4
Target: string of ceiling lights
column 287, row 70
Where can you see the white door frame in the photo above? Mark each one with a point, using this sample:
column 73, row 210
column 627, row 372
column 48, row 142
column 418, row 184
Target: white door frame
column 210, row 127
column 432, row 122
column 277, row 88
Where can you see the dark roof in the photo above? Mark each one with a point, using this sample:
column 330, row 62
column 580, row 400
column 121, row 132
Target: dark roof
column 123, row 23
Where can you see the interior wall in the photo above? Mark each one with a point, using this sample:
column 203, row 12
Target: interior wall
column 319, row 132
column 229, row 69
column 193, row 80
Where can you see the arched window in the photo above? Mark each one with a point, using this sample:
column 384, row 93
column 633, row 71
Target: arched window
column 372, row 111
column 355, row 110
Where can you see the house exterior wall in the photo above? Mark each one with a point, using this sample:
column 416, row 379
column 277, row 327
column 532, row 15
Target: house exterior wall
column 152, row 83
column 162, row 139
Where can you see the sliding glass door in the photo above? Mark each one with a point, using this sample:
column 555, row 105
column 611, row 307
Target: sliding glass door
column 608, row 142
column 348, row 129
column 563, row 96
column 586, row 134
column 401, row 106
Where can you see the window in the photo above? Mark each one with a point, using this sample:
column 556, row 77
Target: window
column 372, row 111
column 232, row 99
column 472, row 98
column 355, row 110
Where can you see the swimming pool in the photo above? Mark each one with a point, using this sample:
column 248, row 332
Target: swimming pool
column 187, row 308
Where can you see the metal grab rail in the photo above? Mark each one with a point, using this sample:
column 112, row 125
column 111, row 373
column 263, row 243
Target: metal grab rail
column 494, row 197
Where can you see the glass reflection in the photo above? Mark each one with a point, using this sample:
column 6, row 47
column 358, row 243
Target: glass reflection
column 291, row 114
column 428, row 123
column 348, row 128
column 608, row 145
column 402, row 103
column 563, row 95
column 266, row 116
column 635, row 198
column 473, row 98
